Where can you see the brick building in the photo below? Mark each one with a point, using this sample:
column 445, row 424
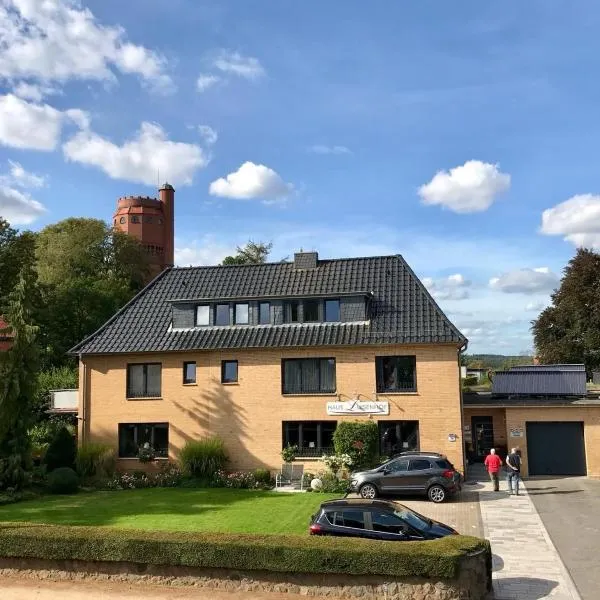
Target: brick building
column 5, row 336
column 275, row 354
column 152, row 221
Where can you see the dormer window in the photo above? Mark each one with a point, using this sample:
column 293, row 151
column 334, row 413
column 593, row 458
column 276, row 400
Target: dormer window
column 242, row 314
column 292, row 312
column 264, row 316
column 311, row 311
column 203, row 315
column 222, row 314
column 332, row 310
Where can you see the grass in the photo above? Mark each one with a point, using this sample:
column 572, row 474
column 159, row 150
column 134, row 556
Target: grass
column 174, row 509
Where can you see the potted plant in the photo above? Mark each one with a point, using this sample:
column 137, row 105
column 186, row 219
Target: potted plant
column 146, row 453
column 289, row 453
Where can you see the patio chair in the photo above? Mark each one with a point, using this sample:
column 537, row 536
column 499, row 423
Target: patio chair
column 290, row 474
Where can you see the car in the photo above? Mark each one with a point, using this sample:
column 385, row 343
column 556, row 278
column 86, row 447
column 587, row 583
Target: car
column 428, row 473
column 375, row 520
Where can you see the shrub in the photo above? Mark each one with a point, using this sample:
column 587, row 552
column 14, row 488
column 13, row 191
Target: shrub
column 169, row 475
column 63, row 480
column 359, row 440
column 203, row 458
column 335, row 462
column 62, row 451
column 146, row 453
column 469, row 381
column 331, row 484
column 95, row 460
column 289, row 453
column 239, row 480
column 292, row 553
column 264, row 478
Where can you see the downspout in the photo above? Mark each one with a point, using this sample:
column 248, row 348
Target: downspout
column 461, row 350
column 84, row 402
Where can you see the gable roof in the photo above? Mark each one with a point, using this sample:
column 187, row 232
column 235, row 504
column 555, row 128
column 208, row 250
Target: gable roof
column 402, row 310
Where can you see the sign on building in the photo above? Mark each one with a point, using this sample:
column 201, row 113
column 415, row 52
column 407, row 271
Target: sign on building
column 356, row 407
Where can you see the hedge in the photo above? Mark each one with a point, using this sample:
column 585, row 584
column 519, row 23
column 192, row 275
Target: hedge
column 298, row 554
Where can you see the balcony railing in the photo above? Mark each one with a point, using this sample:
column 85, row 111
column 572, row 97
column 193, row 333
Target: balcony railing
column 315, row 452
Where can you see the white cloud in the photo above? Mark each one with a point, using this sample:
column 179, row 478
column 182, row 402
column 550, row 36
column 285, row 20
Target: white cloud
column 470, row 188
column 19, row 177
column 140, row 158
column 577, row 219
column 27, row 125
column 207, row 251
column 59, row 40
column 535, row 306
column 251, row 181
column 208, row 134
column 322, row 149
column 453, row 287
column 525, row 281
column 18, row 208
column 206, row 81
column 233, row 63
column 35, row 92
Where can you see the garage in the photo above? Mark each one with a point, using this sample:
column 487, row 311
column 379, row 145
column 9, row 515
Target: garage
column 556, row 448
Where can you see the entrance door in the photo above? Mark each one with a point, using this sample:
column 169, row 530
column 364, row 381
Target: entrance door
column 398, row 436
column 482, row 432
column 556, row 448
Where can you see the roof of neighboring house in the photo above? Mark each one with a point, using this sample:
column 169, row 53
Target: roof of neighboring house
column 402, row 310
column 541, row 380
column 489, row 400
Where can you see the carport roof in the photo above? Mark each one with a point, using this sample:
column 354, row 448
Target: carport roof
column 487, row 400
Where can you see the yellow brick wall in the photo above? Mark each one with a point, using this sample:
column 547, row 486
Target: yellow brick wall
column 498, row 420
column 590, row 416
column 248, row 415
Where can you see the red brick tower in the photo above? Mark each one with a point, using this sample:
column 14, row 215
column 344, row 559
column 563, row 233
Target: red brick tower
column 152, row 222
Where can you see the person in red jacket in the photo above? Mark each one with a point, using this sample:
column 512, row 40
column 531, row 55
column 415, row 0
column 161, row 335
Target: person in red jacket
column 493, row 465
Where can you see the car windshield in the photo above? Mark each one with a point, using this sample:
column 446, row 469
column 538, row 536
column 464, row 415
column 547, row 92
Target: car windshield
column 413, row 519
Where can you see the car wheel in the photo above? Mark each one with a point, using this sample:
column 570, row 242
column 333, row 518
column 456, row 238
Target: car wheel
column 436, row 493
column 368, row 491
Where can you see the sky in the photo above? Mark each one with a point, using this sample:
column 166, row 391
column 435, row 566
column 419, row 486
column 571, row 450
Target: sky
column 462, row 135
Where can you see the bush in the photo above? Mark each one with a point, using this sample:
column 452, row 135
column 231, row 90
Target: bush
column 292, row 553
column 169, row 475
column 62, row 451
column 359, row 440
column 95, row 460
column 239, row 480
column 63, row 481
column 203, row 458
column 146, row 453
column 289, row 453
column 332, row 485
column 264, row 478
column 469, row 381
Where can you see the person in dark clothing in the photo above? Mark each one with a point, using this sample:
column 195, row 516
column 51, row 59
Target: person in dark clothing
column 513, row 472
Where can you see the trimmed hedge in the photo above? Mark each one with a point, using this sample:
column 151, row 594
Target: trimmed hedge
column 298, row 554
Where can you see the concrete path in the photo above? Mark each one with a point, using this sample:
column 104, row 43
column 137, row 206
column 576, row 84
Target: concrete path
column 525, row 562
column 570, row 510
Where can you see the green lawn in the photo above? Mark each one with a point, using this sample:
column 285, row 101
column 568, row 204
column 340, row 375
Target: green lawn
column 173, row 509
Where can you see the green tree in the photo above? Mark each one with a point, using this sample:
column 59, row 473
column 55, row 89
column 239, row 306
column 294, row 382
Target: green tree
column 568, row 331
column 18, row 374
column 55, row 378
column 253, row 253
column 87, row 272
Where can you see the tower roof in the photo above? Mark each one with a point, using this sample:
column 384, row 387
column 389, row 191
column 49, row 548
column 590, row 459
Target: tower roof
column 166, row 186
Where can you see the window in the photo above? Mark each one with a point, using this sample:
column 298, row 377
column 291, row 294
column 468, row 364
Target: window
column 387, row 523
column 135, row 219
column 332, row 310
column 147, row 219
column 313, row 438
column 241, row 314
column 229, row 371
column 222, row 314
column 291, row 312
column 396, row 374
column 133, row 436
column 143, row 380
column 311, row 311
column 419, row 464
column 264, row 316
column 308, row 376
column 203, row 315
column 123, row 220
column 349, row 518
column 398, row 436
column 189, row 372
column 397, row 466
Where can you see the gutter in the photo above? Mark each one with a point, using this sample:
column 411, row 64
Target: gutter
column 461, row 350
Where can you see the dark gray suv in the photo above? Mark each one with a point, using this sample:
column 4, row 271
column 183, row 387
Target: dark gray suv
column 427, row 473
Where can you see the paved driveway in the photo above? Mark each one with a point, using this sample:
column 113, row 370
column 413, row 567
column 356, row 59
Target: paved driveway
column 570, row 510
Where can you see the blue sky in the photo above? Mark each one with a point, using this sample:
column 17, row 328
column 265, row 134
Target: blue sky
column 462, row 135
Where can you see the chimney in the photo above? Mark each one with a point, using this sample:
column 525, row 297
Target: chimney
column 166, row 195
column 306, row 260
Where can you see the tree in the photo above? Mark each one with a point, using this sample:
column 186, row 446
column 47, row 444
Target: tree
column 87, row 272
column 253, row 253
column 18, row 375
column 568, row 331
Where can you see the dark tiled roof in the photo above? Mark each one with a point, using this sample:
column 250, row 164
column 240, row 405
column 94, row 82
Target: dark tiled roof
column 402, row 311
